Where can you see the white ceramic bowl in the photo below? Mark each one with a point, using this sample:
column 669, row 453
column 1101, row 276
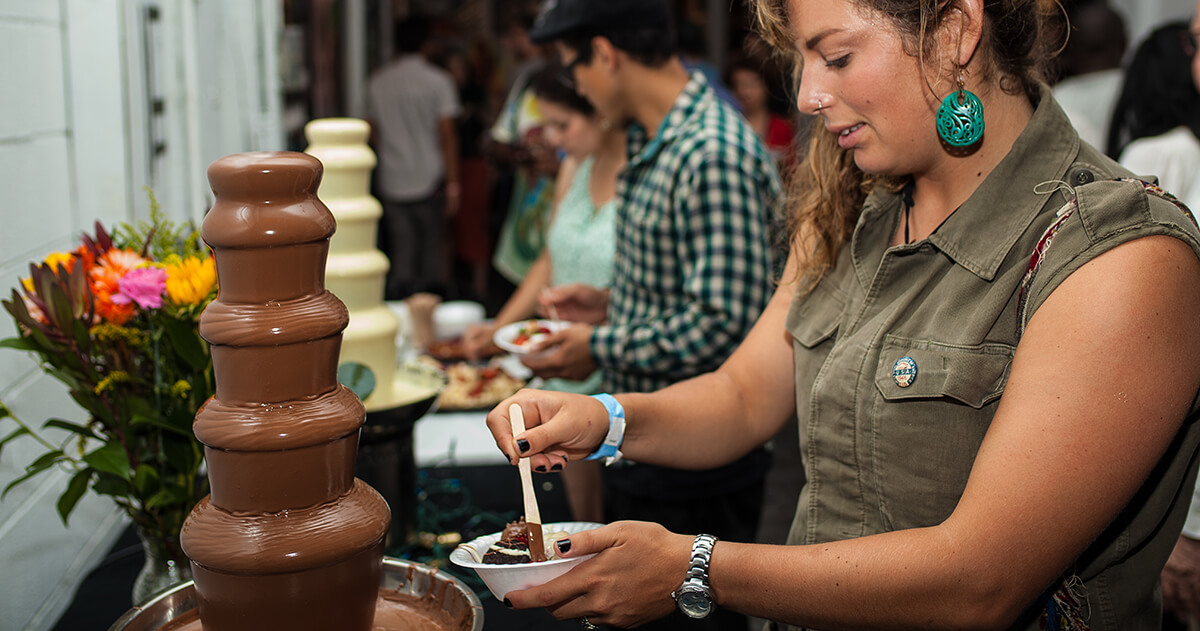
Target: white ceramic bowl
column 505, row 337
column 501, row 579
column 451, row 319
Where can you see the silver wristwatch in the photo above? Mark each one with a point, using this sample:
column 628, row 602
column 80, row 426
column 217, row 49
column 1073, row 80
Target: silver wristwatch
column 694, row 597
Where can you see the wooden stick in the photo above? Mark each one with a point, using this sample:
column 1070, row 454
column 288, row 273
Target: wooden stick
column 533, row 517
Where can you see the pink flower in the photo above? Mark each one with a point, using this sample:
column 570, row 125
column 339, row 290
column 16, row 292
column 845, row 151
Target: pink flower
column 144, row 286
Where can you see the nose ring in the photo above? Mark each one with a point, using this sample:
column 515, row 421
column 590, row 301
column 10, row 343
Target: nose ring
column 820, row 106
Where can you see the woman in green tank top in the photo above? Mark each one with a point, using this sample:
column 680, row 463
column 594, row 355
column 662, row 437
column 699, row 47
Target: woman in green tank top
column 579, row 245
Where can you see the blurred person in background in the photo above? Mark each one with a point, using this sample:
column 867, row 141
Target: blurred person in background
column 471, row 240
column 693, row 49
column 413, row 107
column 1089, row 67
column 525, row 163
column 1156, row 124
column 752, row 87
column 579, row 244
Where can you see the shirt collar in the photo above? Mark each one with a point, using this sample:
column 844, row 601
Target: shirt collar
column 981, row 232
column 686, row 106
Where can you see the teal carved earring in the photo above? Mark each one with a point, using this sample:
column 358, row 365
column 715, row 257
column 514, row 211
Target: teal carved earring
column 960, row 118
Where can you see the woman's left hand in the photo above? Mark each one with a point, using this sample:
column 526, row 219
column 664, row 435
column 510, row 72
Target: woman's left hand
column 628, row 583
column 566, row 354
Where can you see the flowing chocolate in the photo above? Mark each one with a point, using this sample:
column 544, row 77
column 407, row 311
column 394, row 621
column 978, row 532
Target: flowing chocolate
column 288, row 539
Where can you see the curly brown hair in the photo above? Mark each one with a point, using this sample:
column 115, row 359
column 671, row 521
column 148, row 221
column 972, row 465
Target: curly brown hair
column 828, row 189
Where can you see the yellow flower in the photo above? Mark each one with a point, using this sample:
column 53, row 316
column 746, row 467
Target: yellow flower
column 181, row 389
column 115, row 377
column 111, row 334
column 190, row 280
column 60, row 259
column 55, row 260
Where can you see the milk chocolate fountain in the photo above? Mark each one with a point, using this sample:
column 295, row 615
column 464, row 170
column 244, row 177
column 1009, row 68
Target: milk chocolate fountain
column 288, row 538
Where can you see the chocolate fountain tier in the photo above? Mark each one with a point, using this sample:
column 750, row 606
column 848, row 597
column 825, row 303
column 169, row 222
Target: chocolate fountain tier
column 239, row 543
column 261, row 457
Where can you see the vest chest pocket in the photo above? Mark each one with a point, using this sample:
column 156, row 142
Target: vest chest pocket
column 922, row 369
column 935, row 405
column 814, row 318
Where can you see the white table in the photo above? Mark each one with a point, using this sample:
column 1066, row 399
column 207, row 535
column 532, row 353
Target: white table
column 444, row 439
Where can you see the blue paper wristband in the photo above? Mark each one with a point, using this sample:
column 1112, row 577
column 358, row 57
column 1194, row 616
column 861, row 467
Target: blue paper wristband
column 610, row 449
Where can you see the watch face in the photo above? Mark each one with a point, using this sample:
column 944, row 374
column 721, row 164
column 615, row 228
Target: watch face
column 695, row 603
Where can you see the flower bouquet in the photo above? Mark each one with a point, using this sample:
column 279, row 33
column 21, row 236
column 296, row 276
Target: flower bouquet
column 116, row 320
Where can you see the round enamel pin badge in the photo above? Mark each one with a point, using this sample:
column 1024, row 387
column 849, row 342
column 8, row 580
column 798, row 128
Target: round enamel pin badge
column 904, row 372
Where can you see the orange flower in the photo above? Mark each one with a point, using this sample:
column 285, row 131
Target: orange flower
column 106, row 282
column 86, row 255
column 121, row 261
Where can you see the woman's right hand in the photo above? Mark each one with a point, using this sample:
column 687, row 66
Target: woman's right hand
column 558, row 427
column 477, row 341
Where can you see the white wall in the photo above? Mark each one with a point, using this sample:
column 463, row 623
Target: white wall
column 77, row 138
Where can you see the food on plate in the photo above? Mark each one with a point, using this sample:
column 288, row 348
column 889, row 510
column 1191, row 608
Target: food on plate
column 513, row 546
column 470, row 386
column 531, row 333
column 523, row 574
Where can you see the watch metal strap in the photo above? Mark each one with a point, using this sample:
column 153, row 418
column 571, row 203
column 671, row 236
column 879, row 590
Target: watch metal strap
column 702, row 549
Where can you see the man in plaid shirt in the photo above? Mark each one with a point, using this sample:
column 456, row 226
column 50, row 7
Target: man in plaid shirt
column 694, row 259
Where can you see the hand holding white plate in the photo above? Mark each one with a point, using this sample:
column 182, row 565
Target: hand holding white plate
column 501, row 579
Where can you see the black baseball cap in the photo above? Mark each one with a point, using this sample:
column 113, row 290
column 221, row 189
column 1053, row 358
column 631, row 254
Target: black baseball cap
column 560, row 17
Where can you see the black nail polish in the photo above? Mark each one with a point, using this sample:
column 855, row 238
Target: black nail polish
column 556, row 466
column 564, row 545
column 522, row 445
column 540, row 468
column 508, row 603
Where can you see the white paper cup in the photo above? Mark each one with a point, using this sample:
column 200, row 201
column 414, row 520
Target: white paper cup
column 451, row 319
column 502, row 579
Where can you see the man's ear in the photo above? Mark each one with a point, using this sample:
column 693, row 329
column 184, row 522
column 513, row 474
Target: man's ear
column 604, row 53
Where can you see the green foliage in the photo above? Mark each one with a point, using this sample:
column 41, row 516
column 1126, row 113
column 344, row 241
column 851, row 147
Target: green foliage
column 160, row 237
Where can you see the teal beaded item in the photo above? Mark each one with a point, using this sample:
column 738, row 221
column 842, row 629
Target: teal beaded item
column 960, row 118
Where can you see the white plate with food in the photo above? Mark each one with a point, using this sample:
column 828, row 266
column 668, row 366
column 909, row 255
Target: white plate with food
column 522, row 337
column 502, row 578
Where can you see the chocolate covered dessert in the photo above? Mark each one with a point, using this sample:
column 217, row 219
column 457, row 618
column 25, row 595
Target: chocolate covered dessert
column 513, row 545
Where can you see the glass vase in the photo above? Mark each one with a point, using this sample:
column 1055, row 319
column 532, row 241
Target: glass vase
column 165, row 565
